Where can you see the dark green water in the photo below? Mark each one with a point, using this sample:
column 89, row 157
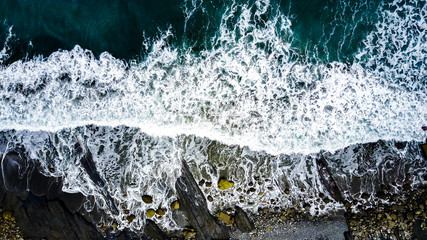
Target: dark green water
column 114, row 26
column 323, row 30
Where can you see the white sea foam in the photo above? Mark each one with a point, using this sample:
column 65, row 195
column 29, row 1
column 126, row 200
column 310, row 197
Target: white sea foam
column 4, row 53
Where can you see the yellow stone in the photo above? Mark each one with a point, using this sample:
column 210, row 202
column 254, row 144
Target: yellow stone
column 175, row 205
column 225, row 219
column 224, row 184
column 7, row 214
column 160, row 212
column 189, row 234
column 150, row 213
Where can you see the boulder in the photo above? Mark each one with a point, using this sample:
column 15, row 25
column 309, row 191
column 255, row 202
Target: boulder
column 151, row 213
column 39, row 184
column 242, row 221
column 73, row 201
column 14, row 171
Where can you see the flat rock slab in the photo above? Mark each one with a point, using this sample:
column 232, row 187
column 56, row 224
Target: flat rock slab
column 243, row 222
column 194, row 205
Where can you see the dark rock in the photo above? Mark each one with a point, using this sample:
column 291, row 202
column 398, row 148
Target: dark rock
column 14, row 170
column 89, row 165
column 381, row 195
column 39, row 184
column 376, row 167
column 418, row 231
column 194, row 204
column 152, row 231
column 73, row 201
column 55, row 189
column 347, row 235
column 95, row 214
column 424, row 150
column 243, row 222
column 424, row 128
column 400, row 145
column 327, row 180
column 126, row 235
column 38, row 218
column 365, row 196
column 406, row 187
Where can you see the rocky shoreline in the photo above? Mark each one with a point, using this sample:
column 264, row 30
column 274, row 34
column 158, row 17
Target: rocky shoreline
column 395, row 210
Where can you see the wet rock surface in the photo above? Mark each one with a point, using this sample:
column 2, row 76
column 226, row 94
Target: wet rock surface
column 374, row 189
column 86, row 160
column 152, row 231
column 194, row 204
column 36, row 208
column 36, row 216
column 243, row 222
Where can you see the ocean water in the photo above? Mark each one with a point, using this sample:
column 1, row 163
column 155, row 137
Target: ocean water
column 239, row 89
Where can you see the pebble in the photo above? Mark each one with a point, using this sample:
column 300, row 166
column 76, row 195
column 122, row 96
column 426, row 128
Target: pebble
column 147, row 199
column 175, row 205
column 150, row 213
column 224, row 184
